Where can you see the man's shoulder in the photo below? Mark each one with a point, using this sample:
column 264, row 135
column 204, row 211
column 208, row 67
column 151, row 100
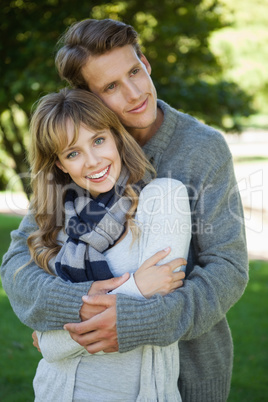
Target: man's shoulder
column 194, row 134
column 184, row 136
column 194, row 128
column 186, row 123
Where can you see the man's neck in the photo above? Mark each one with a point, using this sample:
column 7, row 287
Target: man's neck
column 143, row 135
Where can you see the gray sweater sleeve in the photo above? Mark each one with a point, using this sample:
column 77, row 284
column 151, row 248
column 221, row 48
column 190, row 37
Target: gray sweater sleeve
column 216, row 280
column 41, row 301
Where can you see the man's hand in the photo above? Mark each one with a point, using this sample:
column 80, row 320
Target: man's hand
column 100, row 287
column 35, row 341
column 98, row 333
column 154, row 279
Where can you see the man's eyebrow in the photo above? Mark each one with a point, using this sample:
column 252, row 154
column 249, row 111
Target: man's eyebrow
column 138, row 64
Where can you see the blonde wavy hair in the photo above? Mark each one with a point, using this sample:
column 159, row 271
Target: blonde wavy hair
column 48, row 130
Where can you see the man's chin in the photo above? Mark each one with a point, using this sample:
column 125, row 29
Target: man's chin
column 142, row 125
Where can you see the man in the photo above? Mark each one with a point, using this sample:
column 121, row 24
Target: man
column 104, row 57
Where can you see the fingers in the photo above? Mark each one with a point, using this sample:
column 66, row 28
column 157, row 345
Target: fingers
column 170, row 287
column 103, row 345
column 177, row 280
column 110, row 348
column 177, row 263
column 95, row 342
column 100, row 300
column 160, row 255
column 178, row 275
column 102, row 287
column 107, row 347
column 101, row 321
column 88, row 311
column 35, row 341
column 93, row 305
column 98, row 333
column 177, row 284
column 82, row 328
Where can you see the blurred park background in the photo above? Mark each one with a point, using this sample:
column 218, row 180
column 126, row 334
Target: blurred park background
column 209, row 59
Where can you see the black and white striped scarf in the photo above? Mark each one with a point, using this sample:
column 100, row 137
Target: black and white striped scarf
column 92, row 226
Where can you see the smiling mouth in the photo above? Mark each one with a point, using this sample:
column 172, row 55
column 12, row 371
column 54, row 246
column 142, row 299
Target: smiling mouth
column 139, row 107
column 98, row 175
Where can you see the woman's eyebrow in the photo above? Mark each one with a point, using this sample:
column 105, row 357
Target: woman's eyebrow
column 72, row 147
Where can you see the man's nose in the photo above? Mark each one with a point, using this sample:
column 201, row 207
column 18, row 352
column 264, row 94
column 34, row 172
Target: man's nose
column 132, row 91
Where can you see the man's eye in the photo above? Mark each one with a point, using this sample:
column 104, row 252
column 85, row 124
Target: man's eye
column 99, row 141
column 72, row 155
column 111, row 86
column 135, row 71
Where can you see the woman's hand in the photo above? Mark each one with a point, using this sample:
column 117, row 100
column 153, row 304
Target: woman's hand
column 88, row 311
column 154, row 279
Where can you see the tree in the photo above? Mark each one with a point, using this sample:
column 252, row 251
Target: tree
column 243, row 51
column 174, row 35
column 31, row 30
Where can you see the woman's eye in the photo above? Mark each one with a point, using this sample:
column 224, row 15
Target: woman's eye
column 72, row 155
column 99, row 141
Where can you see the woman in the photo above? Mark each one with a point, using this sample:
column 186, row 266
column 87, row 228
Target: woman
column 98, row 217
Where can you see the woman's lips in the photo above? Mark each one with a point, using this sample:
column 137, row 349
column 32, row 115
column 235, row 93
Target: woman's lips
column 100, row 175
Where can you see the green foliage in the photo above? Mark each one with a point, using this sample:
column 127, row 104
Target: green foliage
column 242, row 49
column 31, row 30
column 174, row 35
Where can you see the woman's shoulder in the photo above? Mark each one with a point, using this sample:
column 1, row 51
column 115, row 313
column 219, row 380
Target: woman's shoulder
column 162, row 197
column 163, row 192
column 163, row 186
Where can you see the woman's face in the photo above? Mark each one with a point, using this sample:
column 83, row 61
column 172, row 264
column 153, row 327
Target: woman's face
column 93, row 161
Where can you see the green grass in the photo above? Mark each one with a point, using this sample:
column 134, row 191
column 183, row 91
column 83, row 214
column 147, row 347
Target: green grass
column 249, row 325
column 7, row 224
column 19, row 358
column 250, row 159
column 248, row 321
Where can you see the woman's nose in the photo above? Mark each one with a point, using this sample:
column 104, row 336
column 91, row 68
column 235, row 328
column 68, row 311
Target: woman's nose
column 92, row 159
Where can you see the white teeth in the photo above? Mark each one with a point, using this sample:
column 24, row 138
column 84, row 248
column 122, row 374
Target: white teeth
column 98, row 175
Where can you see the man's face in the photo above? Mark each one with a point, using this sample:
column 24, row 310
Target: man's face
column 122, row 81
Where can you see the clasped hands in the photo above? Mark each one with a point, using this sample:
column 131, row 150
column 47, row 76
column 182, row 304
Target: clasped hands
column 97, row 331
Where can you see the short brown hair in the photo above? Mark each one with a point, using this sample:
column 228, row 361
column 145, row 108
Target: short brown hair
column 90, row 38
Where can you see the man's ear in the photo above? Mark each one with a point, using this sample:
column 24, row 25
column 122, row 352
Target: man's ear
column 59, row 165
column 146, row 63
